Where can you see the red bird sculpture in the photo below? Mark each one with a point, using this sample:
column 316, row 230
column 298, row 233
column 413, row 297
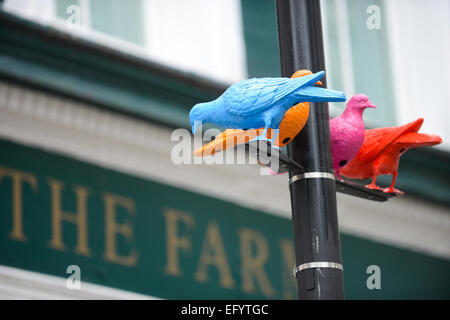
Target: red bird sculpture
column 381, row 151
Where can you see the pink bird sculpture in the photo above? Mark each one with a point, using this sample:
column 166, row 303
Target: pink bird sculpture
column 347, row 132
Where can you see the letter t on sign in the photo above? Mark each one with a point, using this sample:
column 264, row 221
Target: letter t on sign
column 18, row 178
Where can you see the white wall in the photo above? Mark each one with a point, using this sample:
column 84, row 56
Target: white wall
column 419, row 33
column 44, row 9
column 204, row 37
column 25, row 285
column 199, row 35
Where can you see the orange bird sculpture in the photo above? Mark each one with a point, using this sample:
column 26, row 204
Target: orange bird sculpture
column 293, row 122
column 381, row 151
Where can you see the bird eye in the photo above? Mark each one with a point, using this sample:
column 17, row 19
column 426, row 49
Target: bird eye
column 286, row 140
column 342, row 163
column 213, row 138
column 403, row 149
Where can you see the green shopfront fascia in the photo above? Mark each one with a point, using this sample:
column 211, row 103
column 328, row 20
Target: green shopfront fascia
column 147, row 237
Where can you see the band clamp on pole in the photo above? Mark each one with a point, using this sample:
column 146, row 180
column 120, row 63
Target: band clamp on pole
column 311, row 175
column 314, row 265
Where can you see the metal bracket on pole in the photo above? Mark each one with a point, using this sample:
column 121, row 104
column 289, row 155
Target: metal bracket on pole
column 265, row 153
column 315, row 265
column 311, row 175
column 268, row 155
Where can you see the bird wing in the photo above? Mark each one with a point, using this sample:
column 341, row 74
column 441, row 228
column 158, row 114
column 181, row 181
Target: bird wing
column 377, row 140
column 257, row 95
column 416, row 139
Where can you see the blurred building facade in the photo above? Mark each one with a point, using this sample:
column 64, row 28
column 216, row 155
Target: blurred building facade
column 91, row 92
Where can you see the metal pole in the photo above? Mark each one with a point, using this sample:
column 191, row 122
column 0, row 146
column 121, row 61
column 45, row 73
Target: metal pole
column 313, row 194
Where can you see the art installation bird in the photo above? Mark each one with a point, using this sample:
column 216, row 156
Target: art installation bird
column 381, row 151
column 260, row 102
column 293, row 122
column 347, row 132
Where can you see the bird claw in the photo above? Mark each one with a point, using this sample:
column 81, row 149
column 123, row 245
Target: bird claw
column 373, row 187
column 392, row 190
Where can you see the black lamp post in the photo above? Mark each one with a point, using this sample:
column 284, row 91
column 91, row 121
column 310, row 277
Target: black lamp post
column 313, row 193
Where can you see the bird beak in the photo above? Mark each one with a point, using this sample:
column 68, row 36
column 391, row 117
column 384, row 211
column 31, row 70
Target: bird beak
column 371, row 105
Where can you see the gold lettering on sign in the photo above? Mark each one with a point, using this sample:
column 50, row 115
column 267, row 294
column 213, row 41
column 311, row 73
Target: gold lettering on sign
column 252, row 265
column 213, row 254
column 79, row 218
column 112, row 228
column 18, row 178
column 288, row 261
column 174, row 242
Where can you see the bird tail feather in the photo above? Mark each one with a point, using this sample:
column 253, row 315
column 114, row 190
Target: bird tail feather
column 416, row 139
column 316, row 94
column 311, row 79
column 293, row 85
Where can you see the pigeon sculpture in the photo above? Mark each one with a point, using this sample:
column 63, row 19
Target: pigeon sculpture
column 260, row 103
column 347, row 132
column 381, row 151
column 293, row 122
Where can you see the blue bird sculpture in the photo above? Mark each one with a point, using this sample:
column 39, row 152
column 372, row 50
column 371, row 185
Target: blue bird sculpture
column 260, row 102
